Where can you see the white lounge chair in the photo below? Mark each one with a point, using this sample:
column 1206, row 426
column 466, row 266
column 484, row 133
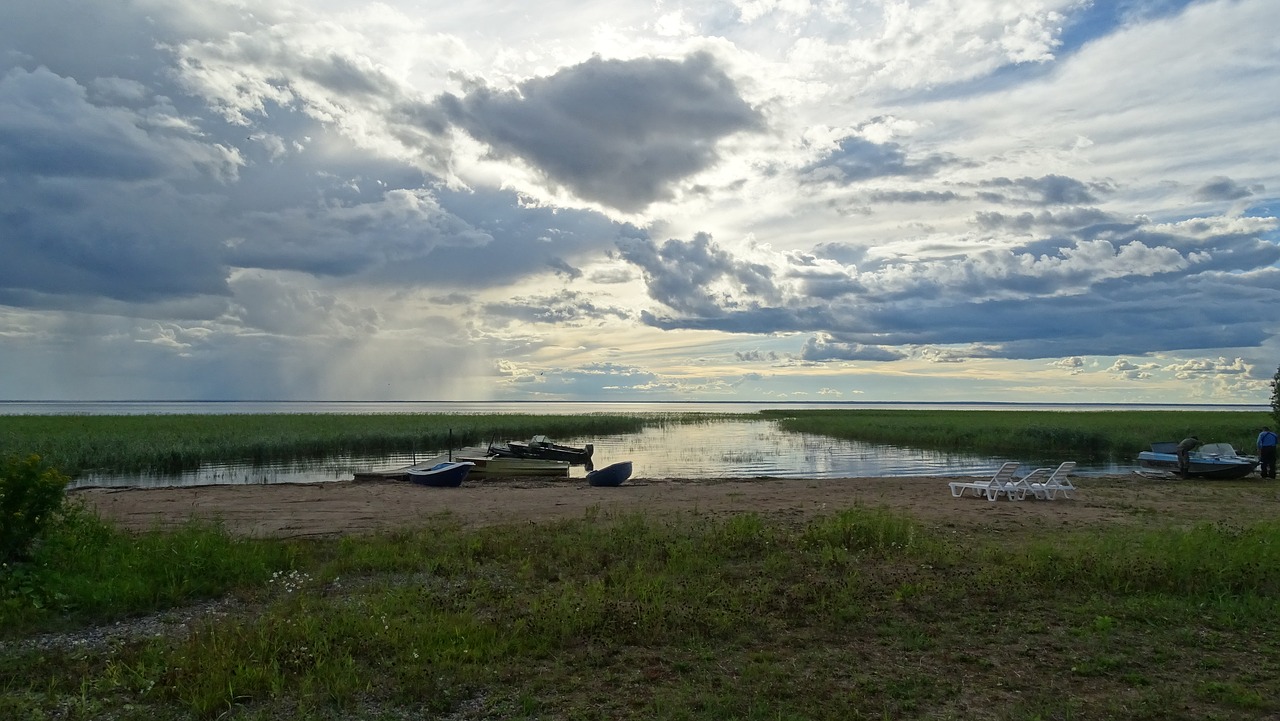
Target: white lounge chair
column 1003, row 482
column 1046, row 483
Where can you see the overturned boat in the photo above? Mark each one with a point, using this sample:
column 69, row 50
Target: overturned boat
column 1212, row 460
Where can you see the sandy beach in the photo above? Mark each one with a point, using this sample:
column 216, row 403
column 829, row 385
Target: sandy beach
column 341, row 508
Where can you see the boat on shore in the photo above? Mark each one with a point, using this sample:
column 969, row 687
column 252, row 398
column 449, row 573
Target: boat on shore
column 394, row 474
column 1212, row 460
column 515, row 466
column 541, row 448
column 611, row 475
column 441, row 475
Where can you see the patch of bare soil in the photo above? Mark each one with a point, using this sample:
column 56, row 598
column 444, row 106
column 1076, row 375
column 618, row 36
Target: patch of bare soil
column 342, row 508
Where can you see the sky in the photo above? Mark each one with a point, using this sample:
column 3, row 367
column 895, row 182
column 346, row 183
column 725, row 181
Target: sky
column 1041, row 201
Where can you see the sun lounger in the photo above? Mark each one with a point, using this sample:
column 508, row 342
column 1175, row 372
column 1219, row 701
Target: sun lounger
column 1003, row 482
column 1046, row 483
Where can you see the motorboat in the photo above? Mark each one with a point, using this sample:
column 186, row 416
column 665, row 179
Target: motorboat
column 541, row 447
column 1211, row 460
column 513, row 466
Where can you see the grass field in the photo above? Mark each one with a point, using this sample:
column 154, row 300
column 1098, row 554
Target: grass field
column 857, row 615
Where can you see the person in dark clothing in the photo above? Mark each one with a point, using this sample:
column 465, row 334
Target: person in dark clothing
column 1187, row 445
column 1267, row 453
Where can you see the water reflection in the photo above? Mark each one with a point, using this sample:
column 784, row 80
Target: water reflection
column 722, row 449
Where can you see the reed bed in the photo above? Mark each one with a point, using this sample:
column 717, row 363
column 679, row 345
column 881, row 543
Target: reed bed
column 857, row 615
column 171, row 443
column 1086, row 434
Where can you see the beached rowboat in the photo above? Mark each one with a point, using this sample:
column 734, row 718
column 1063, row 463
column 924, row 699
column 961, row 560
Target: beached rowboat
column 443, row 475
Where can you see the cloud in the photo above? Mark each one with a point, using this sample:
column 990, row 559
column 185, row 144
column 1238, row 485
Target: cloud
column 1072, row 364
column 618, row 132
column 1224, row 188
column 856, row 159
column 1141, row 289
column 825, row 348
column 1206, row 367
column 1045, row 190
column 565, row 308
column 756, row 356
column 699, row 276
column 277, row 203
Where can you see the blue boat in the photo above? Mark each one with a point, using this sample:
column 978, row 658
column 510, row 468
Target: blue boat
column 448, row 474
column 612, row 475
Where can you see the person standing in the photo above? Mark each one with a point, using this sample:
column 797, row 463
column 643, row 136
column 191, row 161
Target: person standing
column 1184, row 453
column 1267, row 452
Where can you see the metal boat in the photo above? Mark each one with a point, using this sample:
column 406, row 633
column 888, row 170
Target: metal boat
column 1212, row 460
column 540, row 447
column 509, row 466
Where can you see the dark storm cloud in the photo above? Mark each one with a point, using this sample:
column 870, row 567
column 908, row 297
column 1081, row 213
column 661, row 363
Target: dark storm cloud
column 108, row 189
column 620, row 132
column 1045, row 190
column 1223, row 188
column 88, row 205
column 857, row 159
column 49, row 129
column 699, row 276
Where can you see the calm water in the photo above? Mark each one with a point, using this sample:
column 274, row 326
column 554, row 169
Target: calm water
column 732, row 449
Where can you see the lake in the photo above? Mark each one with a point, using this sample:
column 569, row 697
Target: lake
column 721, row 449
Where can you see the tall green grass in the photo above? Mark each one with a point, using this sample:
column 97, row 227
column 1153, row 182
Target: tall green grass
column 1082, row 433
column 84, row 568
column 859, row 614
column 166, row 443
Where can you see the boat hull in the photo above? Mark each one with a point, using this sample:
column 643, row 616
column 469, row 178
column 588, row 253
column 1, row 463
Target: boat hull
column 393, row 474
column 1199, row 467
column 441, row 475
column 612, row 475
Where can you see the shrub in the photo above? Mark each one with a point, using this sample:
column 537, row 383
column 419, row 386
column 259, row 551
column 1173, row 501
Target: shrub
column 31, row 494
